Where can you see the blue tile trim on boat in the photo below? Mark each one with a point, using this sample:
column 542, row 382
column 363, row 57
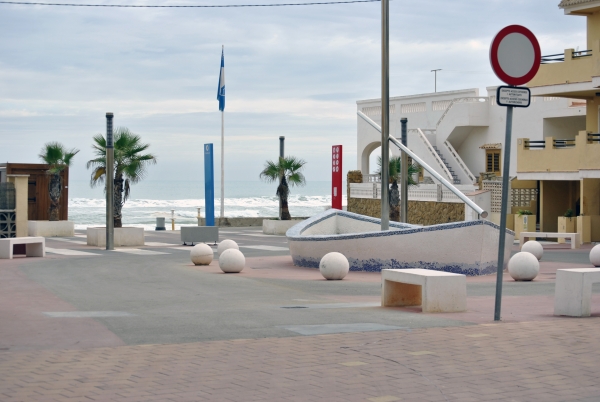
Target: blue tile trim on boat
column 295, row 232
column 376, row 265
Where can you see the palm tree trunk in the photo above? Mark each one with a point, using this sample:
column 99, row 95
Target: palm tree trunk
column 118, row 201
column 282, row 192
column 55, row 187
column 394, row 202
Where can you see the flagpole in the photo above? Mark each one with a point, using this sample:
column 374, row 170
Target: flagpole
column 222, row 164
column 223, row 155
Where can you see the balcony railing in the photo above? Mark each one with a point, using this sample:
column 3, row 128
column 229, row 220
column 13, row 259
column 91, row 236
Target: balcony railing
column 371, row 178
column 564, row 143
column 593, row 137
column 423, row 192
column 556, row 143
column 557, row 58
column 553, row 58
column 535, row 144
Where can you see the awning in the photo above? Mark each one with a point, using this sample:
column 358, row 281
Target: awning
column 491, row 146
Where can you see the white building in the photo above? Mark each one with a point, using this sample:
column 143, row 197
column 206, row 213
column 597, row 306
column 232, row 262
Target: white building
column 461, row 134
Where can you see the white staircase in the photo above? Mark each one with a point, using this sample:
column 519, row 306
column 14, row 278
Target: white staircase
column 455, row 179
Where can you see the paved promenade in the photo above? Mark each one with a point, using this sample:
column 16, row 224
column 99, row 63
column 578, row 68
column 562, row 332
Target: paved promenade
column 145, row 324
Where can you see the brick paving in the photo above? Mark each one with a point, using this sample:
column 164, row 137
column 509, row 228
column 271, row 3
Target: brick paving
column 530, row 356
column 529, row 361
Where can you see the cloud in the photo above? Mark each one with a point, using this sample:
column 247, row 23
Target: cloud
column 293, row 71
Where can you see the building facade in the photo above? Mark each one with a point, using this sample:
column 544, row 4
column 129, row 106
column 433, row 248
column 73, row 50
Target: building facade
column 566, row 164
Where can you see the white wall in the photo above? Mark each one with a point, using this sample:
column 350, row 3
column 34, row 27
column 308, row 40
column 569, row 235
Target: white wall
column 367, row 135
column 468, row 126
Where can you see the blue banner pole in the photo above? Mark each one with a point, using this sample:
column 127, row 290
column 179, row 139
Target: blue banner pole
column 209, row 185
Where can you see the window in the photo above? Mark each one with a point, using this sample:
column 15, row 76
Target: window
column 492, row 161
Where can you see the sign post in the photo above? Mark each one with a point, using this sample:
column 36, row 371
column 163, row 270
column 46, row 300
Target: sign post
column 336, row 177
column 209, row 185
column 515, row 57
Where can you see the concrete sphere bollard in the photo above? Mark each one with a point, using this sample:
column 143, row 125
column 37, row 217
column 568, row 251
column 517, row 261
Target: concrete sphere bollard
column 595, row 256
column 226, row 245
column 334, row 266
column 232, row 261
column 523, row 266
column 534, row 248
column 201, row 254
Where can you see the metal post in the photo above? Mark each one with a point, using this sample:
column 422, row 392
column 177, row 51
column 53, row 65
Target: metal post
column 435, row 79
column 504, row 205
column 110, row 184
column 281, row 155
column 385, row 114
column 172, row 219
column 222, row 164
column 404, row 174
column 199, row 217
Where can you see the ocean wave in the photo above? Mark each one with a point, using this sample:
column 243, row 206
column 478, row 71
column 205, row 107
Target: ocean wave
column 248, row 202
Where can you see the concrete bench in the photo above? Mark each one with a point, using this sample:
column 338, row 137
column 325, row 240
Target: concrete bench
column 573, row 291
column 197, row 234
column 575, row 237
column 435, row 291
column 34, row 246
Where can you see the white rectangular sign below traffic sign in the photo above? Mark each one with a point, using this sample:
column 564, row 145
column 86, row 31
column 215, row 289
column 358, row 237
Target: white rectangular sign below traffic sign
column 513, row 96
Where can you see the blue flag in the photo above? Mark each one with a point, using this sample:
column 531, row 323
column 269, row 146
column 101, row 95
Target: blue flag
column 221, row 89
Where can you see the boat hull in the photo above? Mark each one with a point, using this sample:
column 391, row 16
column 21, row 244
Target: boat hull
column 469, row 248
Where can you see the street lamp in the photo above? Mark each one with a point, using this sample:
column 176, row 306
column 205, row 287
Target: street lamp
column 435, row 78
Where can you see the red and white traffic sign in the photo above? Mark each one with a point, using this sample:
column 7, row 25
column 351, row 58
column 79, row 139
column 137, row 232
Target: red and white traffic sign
column 515, row 55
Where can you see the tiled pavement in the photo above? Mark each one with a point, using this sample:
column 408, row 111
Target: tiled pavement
column 534, row 357
column 527, row 361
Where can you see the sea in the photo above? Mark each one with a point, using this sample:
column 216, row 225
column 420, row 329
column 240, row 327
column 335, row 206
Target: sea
column 151, row 199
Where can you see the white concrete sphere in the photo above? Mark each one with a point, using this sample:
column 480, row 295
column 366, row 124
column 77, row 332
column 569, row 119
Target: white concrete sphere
column 534, row 248
column 201, row 254
column 595, row 256
column 226, row 245
column 523, row 266
column 334, row 266
column 232, row 261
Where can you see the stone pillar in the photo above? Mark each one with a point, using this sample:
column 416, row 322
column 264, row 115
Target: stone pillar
column 354, row 176
column 21, row 201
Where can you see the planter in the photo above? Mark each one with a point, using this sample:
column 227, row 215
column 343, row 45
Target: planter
column 124, row 237
column 277, row 227
column 524, row 223
column 50, row 228
column 566, row 225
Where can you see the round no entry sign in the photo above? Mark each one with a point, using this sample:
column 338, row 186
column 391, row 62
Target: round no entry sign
column 515, row 55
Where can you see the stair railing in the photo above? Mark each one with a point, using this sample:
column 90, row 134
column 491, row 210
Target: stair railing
column 431, row 170
column 459, row 160
column 433, row 153
column 470, row 99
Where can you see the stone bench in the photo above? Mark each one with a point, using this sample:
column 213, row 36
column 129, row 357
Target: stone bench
column 575, row 237
column 573, row 291
column 34, row 246
column 197, row 234
column 435, row 291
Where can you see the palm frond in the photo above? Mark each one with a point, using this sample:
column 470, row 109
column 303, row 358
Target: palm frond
column 271, row 172
column 56, row 156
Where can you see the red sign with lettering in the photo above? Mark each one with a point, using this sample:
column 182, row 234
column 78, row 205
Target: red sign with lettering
column 336, row 177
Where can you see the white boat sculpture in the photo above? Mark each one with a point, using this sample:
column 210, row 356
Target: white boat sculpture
column 469, row 247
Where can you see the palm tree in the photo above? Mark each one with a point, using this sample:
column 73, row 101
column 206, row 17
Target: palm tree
column 395, row 167
column 59, row 158
column 130, row 165
column 287, row 171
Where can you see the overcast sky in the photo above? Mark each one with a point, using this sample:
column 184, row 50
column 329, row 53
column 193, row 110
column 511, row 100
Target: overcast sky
column 292, row 71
